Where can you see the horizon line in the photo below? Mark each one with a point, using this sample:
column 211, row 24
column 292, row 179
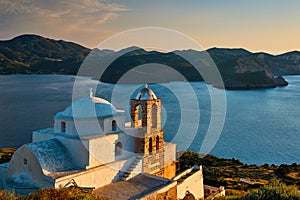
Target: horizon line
column 166, row 51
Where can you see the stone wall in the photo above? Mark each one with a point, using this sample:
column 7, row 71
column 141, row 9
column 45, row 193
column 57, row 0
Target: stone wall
column 143, row 144
column 154, row 163
column 151, row 113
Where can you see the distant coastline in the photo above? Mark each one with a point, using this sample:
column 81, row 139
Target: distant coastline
column 239, row 68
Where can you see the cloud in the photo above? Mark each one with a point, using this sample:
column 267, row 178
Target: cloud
column 56, row 17
column 106, row 17
column 60, row 13
column 76, row 7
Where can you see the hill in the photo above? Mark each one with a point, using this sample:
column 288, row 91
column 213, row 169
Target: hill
column 239, row 178
column 239, row 68
column 32, row 54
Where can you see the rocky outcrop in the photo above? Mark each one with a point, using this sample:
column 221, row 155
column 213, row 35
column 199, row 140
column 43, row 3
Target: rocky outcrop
column 253, row 80
column 280, row 81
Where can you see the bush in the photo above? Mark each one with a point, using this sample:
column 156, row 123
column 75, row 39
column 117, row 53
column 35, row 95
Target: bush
column 52, row 194
column 6, row 154
column 277, row 191
column 5, row 195
column 60, row 194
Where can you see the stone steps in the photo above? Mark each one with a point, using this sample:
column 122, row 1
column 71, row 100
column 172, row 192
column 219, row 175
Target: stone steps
column 131, row 168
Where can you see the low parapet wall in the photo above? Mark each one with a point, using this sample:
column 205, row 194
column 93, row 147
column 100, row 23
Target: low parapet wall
column 169, row 191
column 214, row 192
column 97, row 176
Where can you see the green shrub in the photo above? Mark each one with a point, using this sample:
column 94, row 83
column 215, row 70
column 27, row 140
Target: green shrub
column 277, row 191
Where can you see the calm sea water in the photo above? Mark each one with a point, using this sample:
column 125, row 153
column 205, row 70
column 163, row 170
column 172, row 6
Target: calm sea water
column 261, row 126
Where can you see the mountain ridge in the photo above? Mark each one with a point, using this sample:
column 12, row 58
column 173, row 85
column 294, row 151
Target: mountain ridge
column 240, row 68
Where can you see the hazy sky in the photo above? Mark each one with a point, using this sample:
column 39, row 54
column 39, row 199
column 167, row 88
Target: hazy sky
column 271, row 25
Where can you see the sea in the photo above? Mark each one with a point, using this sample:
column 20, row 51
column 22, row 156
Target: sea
column 255, row 126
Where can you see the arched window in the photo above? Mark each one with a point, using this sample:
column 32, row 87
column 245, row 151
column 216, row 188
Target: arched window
column 63, row 127
column 150, row 145
column 113, row 125
column 118, row 148
column 154, row 116
column 136, row 115
column 140, row 112
column 157, row 143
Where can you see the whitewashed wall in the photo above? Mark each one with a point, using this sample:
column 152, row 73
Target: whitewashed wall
column 98, row 176
column 193, row 184
column 3, row 171
column 32, row 171
column 169, row 152
column 86, row 127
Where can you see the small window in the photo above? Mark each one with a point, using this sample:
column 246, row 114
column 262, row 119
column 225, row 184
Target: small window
column 63, row 127
column 150, row 145
column 154, row 116
column 157, row 143
column 113, row 125
column 25, row 161
column 119, row 149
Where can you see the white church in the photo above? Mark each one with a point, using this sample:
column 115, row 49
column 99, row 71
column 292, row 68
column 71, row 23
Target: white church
column 91, row 143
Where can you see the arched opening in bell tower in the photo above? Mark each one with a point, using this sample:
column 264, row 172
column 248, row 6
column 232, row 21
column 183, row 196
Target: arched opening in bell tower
column 154, row 116
column 150, row 145
column 137, row 114
column 157, row 143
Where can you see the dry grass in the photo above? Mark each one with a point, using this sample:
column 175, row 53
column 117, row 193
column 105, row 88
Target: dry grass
column 232, row 174
column 6, row 154
column 294, row 175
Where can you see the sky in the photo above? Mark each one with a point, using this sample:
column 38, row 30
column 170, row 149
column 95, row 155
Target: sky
column 269, row 26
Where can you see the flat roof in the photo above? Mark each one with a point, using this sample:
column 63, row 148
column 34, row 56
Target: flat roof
column 134, row 188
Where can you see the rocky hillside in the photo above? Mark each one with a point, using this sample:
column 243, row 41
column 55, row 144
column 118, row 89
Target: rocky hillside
column 32, row 54
column 240, row 69
column 239, row 178
column 252, row 70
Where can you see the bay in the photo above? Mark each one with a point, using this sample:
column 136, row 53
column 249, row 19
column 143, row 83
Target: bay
column 261, row 126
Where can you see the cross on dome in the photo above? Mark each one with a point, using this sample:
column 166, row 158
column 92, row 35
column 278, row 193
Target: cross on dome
column 91, row 93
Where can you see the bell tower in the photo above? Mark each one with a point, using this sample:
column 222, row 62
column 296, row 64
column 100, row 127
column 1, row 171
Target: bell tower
column 150, row 107
column 149, row 141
